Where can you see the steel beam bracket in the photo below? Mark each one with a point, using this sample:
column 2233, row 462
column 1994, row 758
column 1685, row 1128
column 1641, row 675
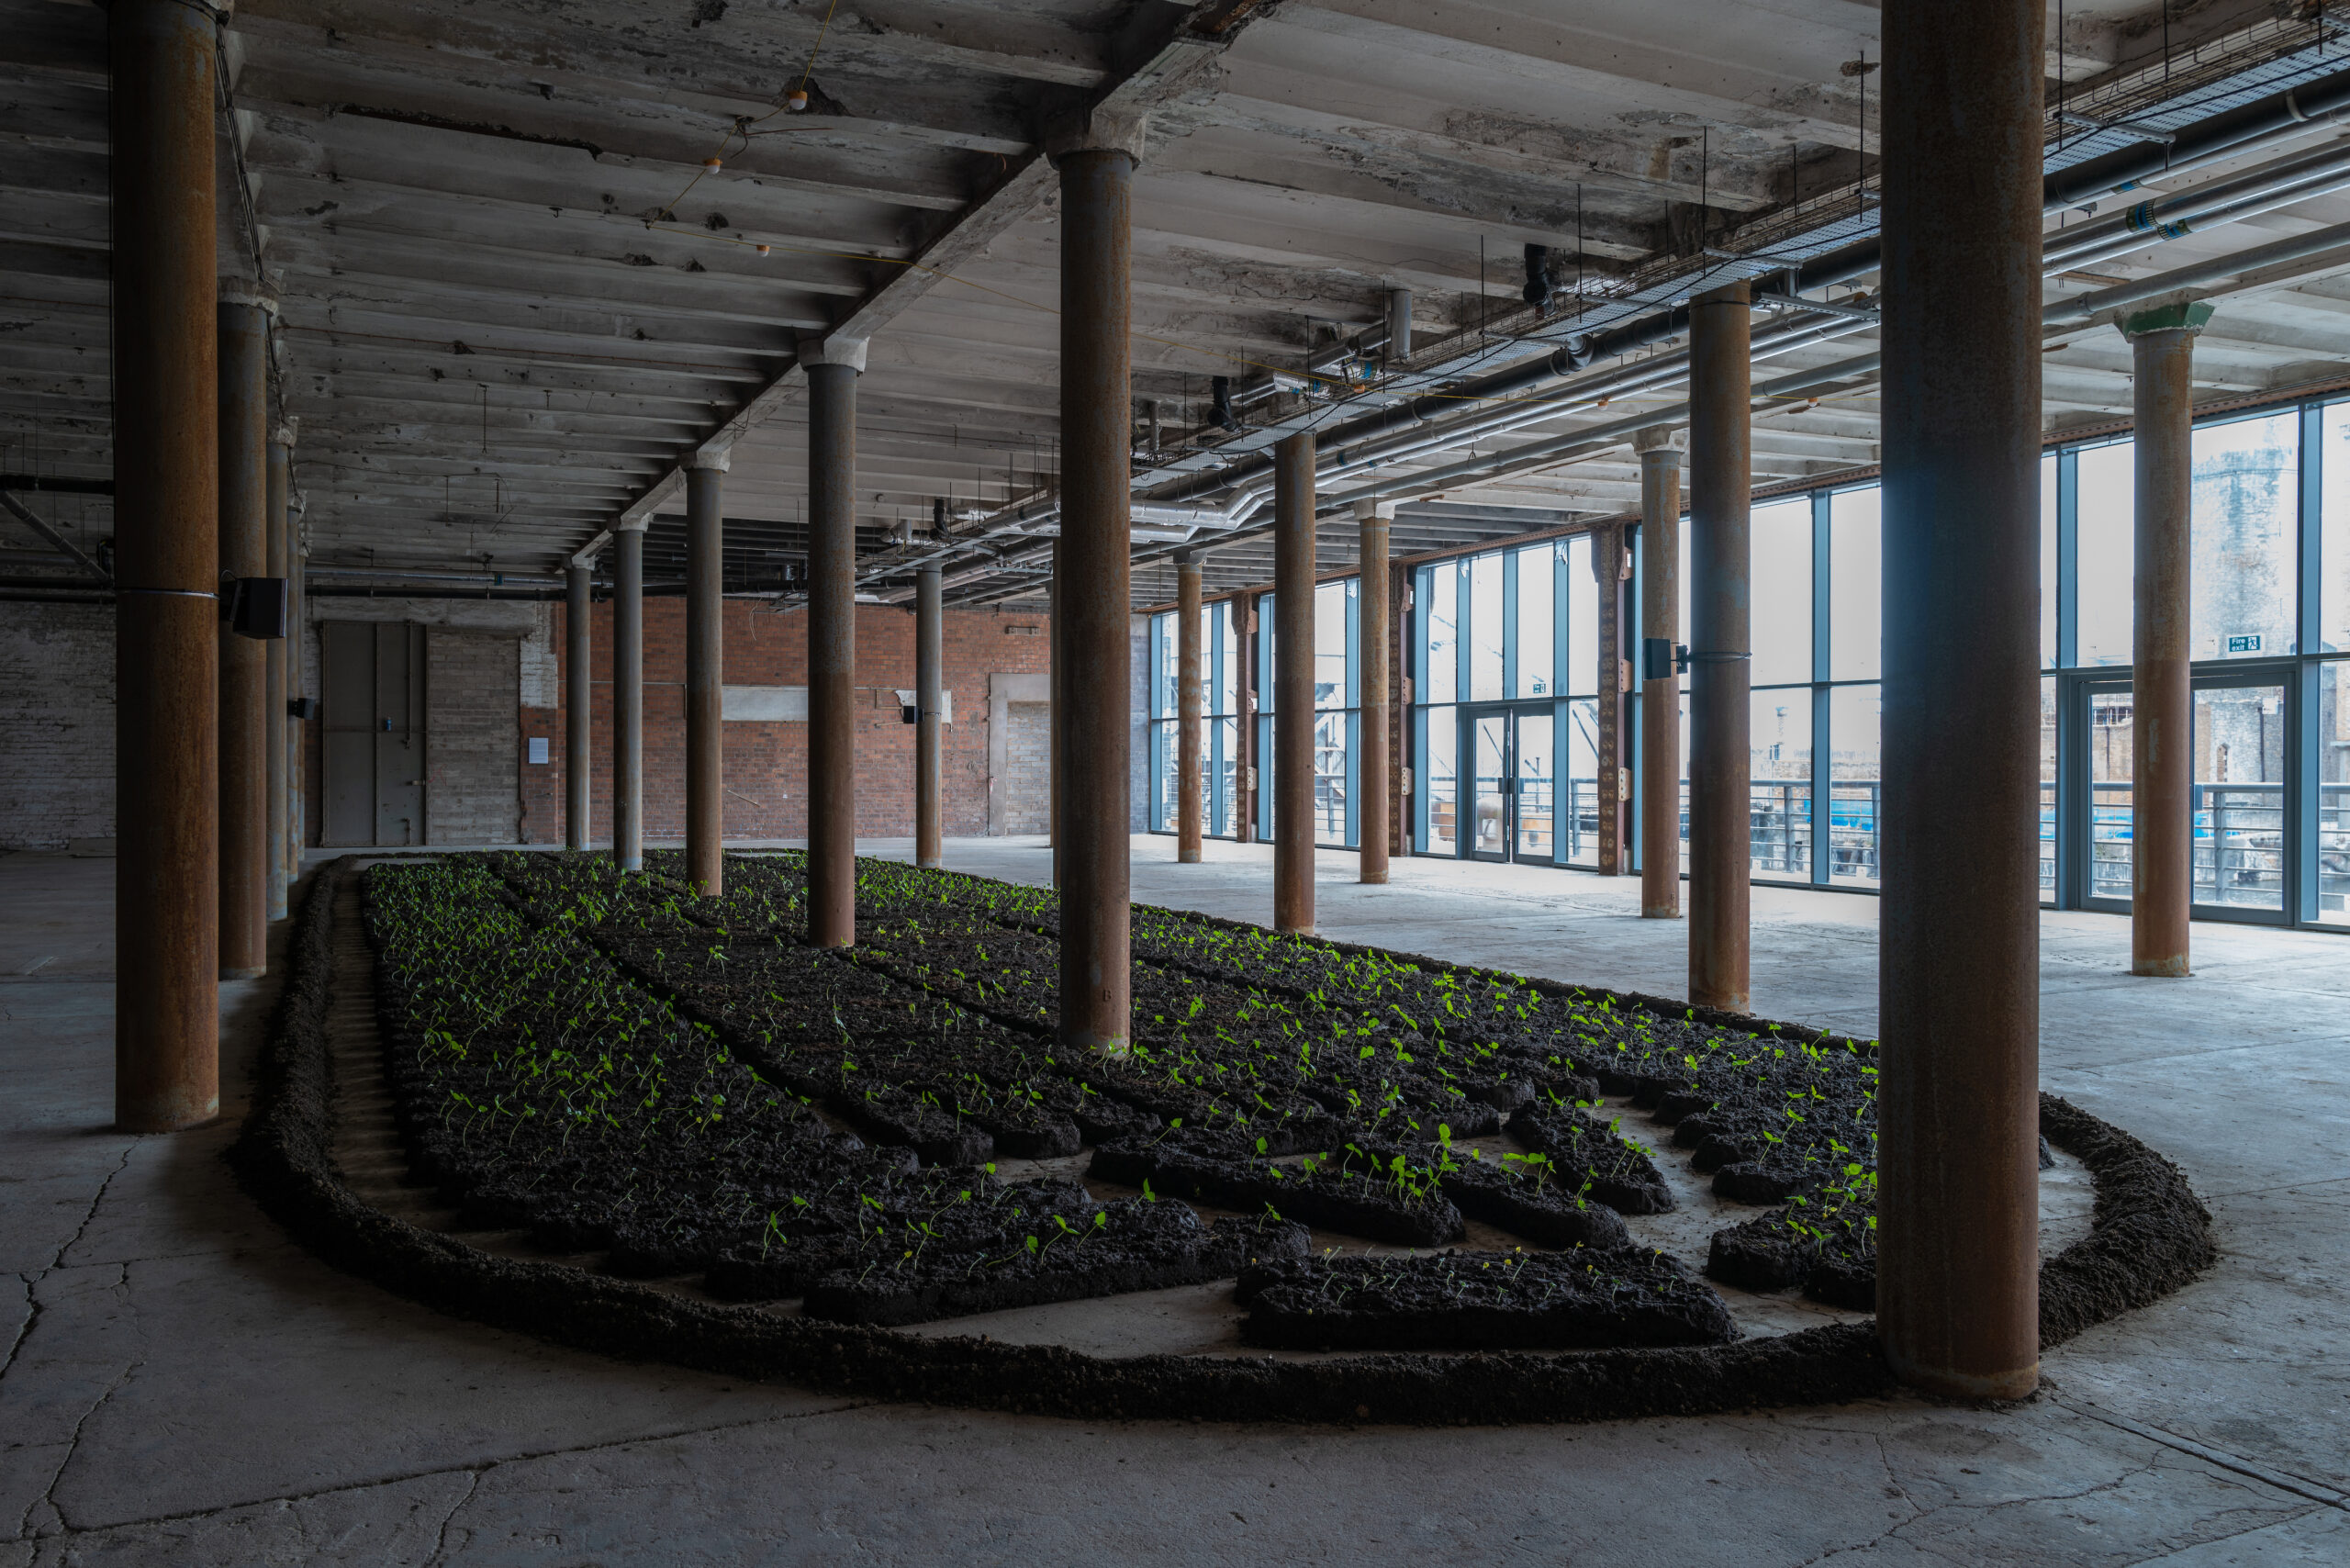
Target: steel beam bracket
column 1662, row 658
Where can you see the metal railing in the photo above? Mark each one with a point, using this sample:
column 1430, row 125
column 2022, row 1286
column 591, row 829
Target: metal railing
column 2241, row 843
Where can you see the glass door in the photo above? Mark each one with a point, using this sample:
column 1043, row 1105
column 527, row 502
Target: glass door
column 2241, row 819
column 1492, row 786
column 1536, row 788
column 2243, row 798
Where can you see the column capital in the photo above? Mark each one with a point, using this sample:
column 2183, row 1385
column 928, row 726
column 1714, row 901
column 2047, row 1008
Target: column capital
column 849, row 352
column 1368, row 510
column 249, row 291
column 2181, row 315
column 1661, row 442
column 630, row 525
column 1741, row 294
column 1098, row 129
column 716, row 462
column 284, row 434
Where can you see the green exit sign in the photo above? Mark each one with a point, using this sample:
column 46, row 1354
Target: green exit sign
column 2244, row 643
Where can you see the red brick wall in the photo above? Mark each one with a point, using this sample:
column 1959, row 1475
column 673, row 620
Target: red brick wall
column 766, row 764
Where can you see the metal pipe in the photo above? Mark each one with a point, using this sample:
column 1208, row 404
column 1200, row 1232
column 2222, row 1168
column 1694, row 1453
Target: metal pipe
column 578, row 711
column 167, row 910
column 705, row 675
column 1959, row 972
column 2162, row 219
column 1293, row 685
column 1374, row 551
column 628, row 696
column 275, row 654
column 930, row 715
column 1093, row 609
column 2161, row 791
column 57, row 540
column 831, row 643
column 1190, row 708
column 1660, row 450
column 1721, row 637
column 242, row 330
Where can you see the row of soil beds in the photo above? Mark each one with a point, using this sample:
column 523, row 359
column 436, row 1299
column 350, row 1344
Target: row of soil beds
column 658, row 1085
column 684, row 1088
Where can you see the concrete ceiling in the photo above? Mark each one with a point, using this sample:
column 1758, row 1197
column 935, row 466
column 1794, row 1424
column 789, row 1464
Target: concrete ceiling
column 514, row 298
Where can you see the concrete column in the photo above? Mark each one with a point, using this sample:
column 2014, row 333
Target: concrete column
column 578, row 711
column 628, row 696
column 167, row 554
column 832, row 368
column 1095, row 607
column 930, row 717
column 278, row 654
column 1190, row 808
column 705, row 675
column 2162, row 790
column 1720, row 565
column 1374, row 793
column 1959, row 965
column 244, row 358
column 1659, row 451
column 1293, row 684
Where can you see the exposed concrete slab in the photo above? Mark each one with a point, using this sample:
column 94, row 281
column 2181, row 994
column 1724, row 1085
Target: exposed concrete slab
column 195, row 1390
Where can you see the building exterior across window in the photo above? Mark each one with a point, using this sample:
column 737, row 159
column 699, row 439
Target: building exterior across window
column 1503, row 652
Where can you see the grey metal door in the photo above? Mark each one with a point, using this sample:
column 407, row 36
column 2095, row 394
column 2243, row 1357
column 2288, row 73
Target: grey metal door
column 372, row 714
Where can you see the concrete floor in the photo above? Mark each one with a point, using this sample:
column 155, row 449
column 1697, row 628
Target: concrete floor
column 182, row 1385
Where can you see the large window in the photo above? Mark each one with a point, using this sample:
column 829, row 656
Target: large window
column 1337, row 715
column 1521, row 710
column 1220, row 673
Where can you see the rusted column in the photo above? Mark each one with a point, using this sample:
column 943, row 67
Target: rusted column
column 244, row 356
column 276, row 654
column 1190, row 815
column 929, row 718
column 1372, row 521
column 1720, row 565
column 297, row 760
column 1959, row 975
column 1293, row 684
column 1607, row 567
column 167, row 554
column 833, row 367
column 628, row 696
column 705, row 675
column 1659, row 451
column 578, row 712
column 1054, row 668
column 2162, row 787
column 1094, row 608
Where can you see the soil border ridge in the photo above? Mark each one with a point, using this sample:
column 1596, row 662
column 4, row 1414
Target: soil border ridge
column 2150, row 1235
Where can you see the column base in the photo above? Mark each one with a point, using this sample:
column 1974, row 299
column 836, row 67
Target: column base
column 930, row 865
column 1294, row 930
column 1942, row 1382
column 229, row 974
column 1187, row 857
column 1374, row 878
column 2162, row 968
column 1661, row 915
